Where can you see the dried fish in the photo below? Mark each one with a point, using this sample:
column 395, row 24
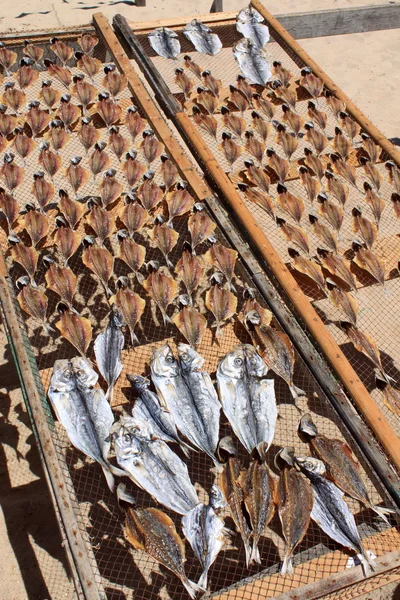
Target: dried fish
column 341, row 144
column 13, row 97
column 308, row 267
column 10, row 209
column 292, row 119
column 349, row 126
column 238, row 99
column 336, row 105
column 132, row 254
column 207, row 100
column 262, row 199
column 101, row 262
column 211, row 83
column 343, row 301
column 91, row 66
column 27, row 257
column 370, row 148
column 337, row 188
column 311, row 185
column 363, row 343
column 222, row 304
column 132, row 308
column 314, row 137
column 68, row 113
column 57, row 135
column 77, row 330
column 10, row 173
column 287, row 141
column 107, row 348
column 164, row 42
column 49, row 160
column 63, row 75
column 134, row 217
column 230, row 149
column 49, row 95
column 333, row 214
column 88, row 42
column 311, row 83
column 42, row 190
column 371, row 172
column 223, row 259
column 257, row 176
column 88, row 134
column 278, row 164
column 201, row 227
column 264, row 105
column 23, row 144
column 375, row 202
column 99, row 160
column 342, row 168
column 260, row 126
column 206, row 122
column 114, row 81
column 367, row 231
column 233, row 122
column 163, row 290
column 37, row 226
column 282, row 74
column 183, row 82
column 285, row 94
column 109, row 111
column 33, row 52
column 169, row 172
column 165, row 239
column 117, row 142
column 252, row 61
column 391, row 395
column 324, row 233
column 110, row 188
column 34, row 302
column 62, row 50
column 7, row 59
column 393, row 174
column 192, row 66
column 62, row 281
column 191, row 325
column 26, row 75
column 254, row 147
column 134, row 122
column 133, row 170
column 7, row 124
column 295, row 235
column 202, row 38
column 151, row 147
column 291, row 204
column 191, row 270
column 317, row 116
column 150, row 194
column 314, row 163
column 67, row 241
column 85, row 93
column 338, row 267
column 179, row 203
column 249, row 24
column 101, row 222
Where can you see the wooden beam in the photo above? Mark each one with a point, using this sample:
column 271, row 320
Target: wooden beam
column 145, row 102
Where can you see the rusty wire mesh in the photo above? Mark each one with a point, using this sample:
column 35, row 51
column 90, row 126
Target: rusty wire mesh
column 120, row 571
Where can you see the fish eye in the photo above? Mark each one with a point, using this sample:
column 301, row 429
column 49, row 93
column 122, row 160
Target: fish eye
column 185, row 356
column 127, row 437
column 238, row 362
column 68, row 374
column 170, row 359
column 80, row 373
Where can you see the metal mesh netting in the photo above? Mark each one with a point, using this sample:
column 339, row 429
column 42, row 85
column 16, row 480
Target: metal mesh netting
column 377, row 306
column 122, row 572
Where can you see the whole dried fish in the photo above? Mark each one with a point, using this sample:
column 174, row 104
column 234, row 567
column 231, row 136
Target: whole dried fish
column 338, row 267
column 222, row 304
column 202, row 38
column 114, row 81
column 367, row 231
column 151, row 148
column 288, row 141
column 85, row 93
column 314, row 163
column 247, row 399
column 311, row 185
column 91, row 66
column 223, row 259
column 317, row 116
column 183, row 82
column 132, row 254
column 249, row 24
column 254, row 146
column 163, row 291
column 376, row 203
column 258, row 494
column 165, row 239
column 333, row 214
column 117, row 142
column 331, row 512
column 191, row 324
column 169, row 172
column 252, row 61
column 42, row 190
column 262, row 199
column 206, row 122
column 153, row 466
column 132, row 307
column 73, row 211
column 278, row 164
column 133, row 170
column 99, row 160
column 343, row 301
column 134, row 217
column 201, row 227
column 83, row 411
column 101, row 222
column 179, row 202
column 49, row 95
column 341, row 467
column 110, row 188
column 342, row 168
column 34, row 302
column 88, row 134
column 264, row 105
column 152, row 531
column 363, row 343
column 13, row 97
column 134, row 122
column 109, row 111
column 27, row 257
column 337, row 188
column 62, row 50
column 77, row 176
column 341, row 144
column 191, row 270
column 189, row 395
column 205, row 531
column 10, row 173
column 62, row 281
column 57, row 135
column 367, row 260
column 324, row 233
column 314, row 137
column 293, row 205
column 107, row 348
column 311, row 83
column 68, row 113
column 295, row 235
column 164, row 42
column 63, row 74
column 230, row 149
column 23, row 144
column 101, row 262
column 88, row 42
column 77, row 330
column 295, row 500
column 49, row 160
column 308, row 267
column 150, row 194
column 37, row 226
column 292, row 119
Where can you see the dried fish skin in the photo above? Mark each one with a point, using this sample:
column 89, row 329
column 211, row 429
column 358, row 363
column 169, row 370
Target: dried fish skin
column 163, row 290
column 101, row 222
column 331, row 512
column 201, row 227
column 191, row 325
column 189, row 395
column 132, row 254
column 150, row 194
column 165, row 42
column 247, row 399
column 42, row 190
column 72, row 210
column 291, row 204
column 34, row 302
column 179, row 203
column 191, row 270
column 27, row 257
column 252, row 61
column 151, row 148
column 153, row 466
column 249, row 24
column 67, row 242
column 109, row 111
column 152, row 531
column 134, row 123
column 62, row 281
column 202, row 38
column 133, row 170
column 222, row 304
column 108, row 347
column 258, row 494
column 110, row 189
column 101, row 262
column 37, row 226
column 77, row 330
column 224, row 259
column 165, row 239
column 134, row 217
column 132, row 308
column 83, row 411
column 367, row 260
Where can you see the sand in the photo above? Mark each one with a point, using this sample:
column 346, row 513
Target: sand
column 366, row 66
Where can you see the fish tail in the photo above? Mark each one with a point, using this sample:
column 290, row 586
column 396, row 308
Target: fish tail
column 382, row 512
column 248, row 551
column 166, row 319
column 287, row 565
column 192, row 588
column 368, row 564
column 203, row 579
column 110, row 393
column 48, row 329
column 109, row 476
column 255, row 554
column 134, row 338
column 185, row 449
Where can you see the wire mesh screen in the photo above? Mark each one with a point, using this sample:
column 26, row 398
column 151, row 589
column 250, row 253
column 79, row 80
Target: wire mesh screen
column 377, row 304
column 122, row 572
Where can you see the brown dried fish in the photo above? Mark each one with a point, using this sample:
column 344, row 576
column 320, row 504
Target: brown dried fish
column 201, row 227
column 238, row 99
column 370, row 148
column 88, row 134
column 163, row 290
column 324, row 233
column 73, row 211
column 393, row 174
column 349, row 126
column 313, row 84
column 336, row 106
column 375, row 202
column 62, row 281
column 7, row 59
column 42, row 190
column 151, row 148
column 192, row 66
column 390, row 394
column 341, row 144
column 91, row 66
column 114, row 81
column 132, row 308
column 343, row 301
column 367, row 260
column 260, row 126
column 49, row 160
column 317, row 116
column 314, row 137
column 27, row 257
column 23, row 144
column 314, row 163
column 49, row 95
column 337, row 188
column 134, row 122
column 292, row 119
column 284, row 75
column 7, row 124
column 88, row 42
column 10, row 173
column 57, row 135
column 10, row 208
column 338, row 267
column 371, row 172
column 77, row 330
column 34, row 302
column 205, row 121
column 367, row 231
column 117, row 142
column 311, row 185
column 99, row 160
column 243, row 86
column 165, row 239
column 179, row 203
column 230, row 149
column 191, row 270
column 13, row 97
column 342, row 168
column 222, row 304
column 110, row 188
column 150, row 194
column 287, row 141
column 37, row 226
column 62, row 50
column 3, row 143
column 223, row 259
column 211, row 83
column 84, row 92
column 101, row 222
column 169, row 172
column 33, row 52
column 254, row 146
column 278, row 164
column 26, row 76
column 264, row 105
column 257, row 176
column 132, row 254
column 191, row 324
column 101, row 262
column 68, row 113
column 233, row 122
column 134, row 217
column 67, row 241
column 291, row 204
column 286, row 94
column 133, row 169
column 333, row 214
column 63, row 75
column 295, row 235
column 109, row 111
column 363, row 343
column 183, row 82
column 258, row 197
column 308, row 267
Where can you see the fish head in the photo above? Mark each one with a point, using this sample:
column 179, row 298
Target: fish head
column 138, row 383
column 63, row 377
column 217, row 500
column 124, row 435
column 164, row 363
column 83, row 372
column 307, row 427
column 312, row 466
column 189, row 359
column 285, row 457
column 244, row 360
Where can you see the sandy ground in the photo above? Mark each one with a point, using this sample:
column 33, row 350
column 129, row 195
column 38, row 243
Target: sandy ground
column 366, row 66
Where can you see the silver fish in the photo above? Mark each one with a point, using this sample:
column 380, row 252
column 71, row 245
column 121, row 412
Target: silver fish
column 189, row 395
column 165, row 42
column 252, row 61
column 83, row 411
column 153, row 466
column 331, row 512
column 248, row 401
column 249, row 24
column 202, row 38
column 206, row 532
column 147, row 407
column 107, row 350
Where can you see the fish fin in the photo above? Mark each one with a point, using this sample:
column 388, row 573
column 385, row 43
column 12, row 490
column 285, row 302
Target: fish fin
column 203, row 579
column 109, row 476
column 192, row 588
column 255, row 555
column 287, row 565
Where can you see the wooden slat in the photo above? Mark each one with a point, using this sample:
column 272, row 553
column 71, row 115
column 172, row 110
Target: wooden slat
column 153, row 115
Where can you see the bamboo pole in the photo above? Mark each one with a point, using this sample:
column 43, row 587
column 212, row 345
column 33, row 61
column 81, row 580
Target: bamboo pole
column 351, row 108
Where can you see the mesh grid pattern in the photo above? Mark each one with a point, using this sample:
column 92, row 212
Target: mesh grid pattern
column 122, row 572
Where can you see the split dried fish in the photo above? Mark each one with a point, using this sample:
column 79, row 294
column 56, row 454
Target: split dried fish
column 248, row 400
column 223, row 259
column 63, row 51
column 99, row 160
column 341, row 144
column 133, row 170
column 83, row 411
column 249, row 24
column 34, row 302
column 77, row 176
column 367, row 260
column 88, row 134
column 367, row 230
column 295, row 235
column 192, row 66
column 164, row 42
column 343, row 301
column 317, row 116
column 370, row 148
column 107, row 348
column 254, row 146
column 114, row 81
column 207, row 100
column 183, row 82
column 7, row 59
column 191, row 270
column 311, row 83
column 206, row 122
column 293, row 205
column 371, row 172
column 49, row 95
column 151, row 147
column 68, row 113
column 27, row 257
column 9, row 206
column 311, row 185
column 150, row 194
column 134, row 122
column 63, row 74
column 264, row 105
column 336, row 105
column 222, row 304
column 163, row 290
column 337, row 188
column 333, row 214
column 91, row 66
column 37, row 226
column 23, row 144
column 26, row 75
column 88, row 42
column 132, row 254
column 282, row 74
column 117, row 142
column 260, row 126
column 292, row 119
column 314, row 137
column 287, row 141
column 278, row 164
column 393, row 174
column 57, row 135
column 252, row 61
column 67, row 242
column 110, row 188
column 49, row 160
column 132, row 308
column 77, row 330
column 201, row 227
column 349, row 126
column 73, row 211
column 85, row 93
column 62, row 281
column 134, row 217
column 11, row 173
column 179, row 202
column 364, row 343
column 202, row 38
column 211, row 83
column 262, row 199
column 191, row 325
column 109, row 111
column 342, row 168
column 101, row 222
column 376, row 203
column 390, row 394
column 33, row 52
column 189, row 395
column 338, row 267
column 324, row 233
column 13, row 97
column 42, row 190
column 230, row 148
column 308, row 267
column 257, row 176
column 7, row 124
column 101, row 262
column 169, row 172
column 233, row 122
column 286, row 94
column 314, row 163
column 165, row 239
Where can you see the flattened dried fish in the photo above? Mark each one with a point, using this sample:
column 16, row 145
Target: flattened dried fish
column 342, row 168
column 13, row 97
column 376, row 203
column 333, row 214
column 222, row 304
column 341, row 144
column 163, row 290
column 91, row 66
column 334, row 104
column 290, row 203
column 68, row 113
column 10, row 209
column 118, row 143
column 337, row 188
column 165, row 239
column 262, row 199
column 249, row 24
column 164, row 42
column 311, row 185
column 264, row 105
column 179, row 202
column 338, row 267
column 288, row 141
column 292, row 119
column 73, row 211
column 191, row 270
column 98, row 160
column 206, row 122
column 57, row 135
column 23, row 144
column 247, row 399
column 254, row 146
column 390, row 394
column 34, row 302
column 101, row 222
column 367, row 260
column 88, row 134
column 134, row 217
column 192, row 66
column 201, row 227
column 371, row 172
column 349, row 126
column 295, row 235
column 311, row 82
column 207, row 100
column 109, row 111
column 7, row 124
column 132, row 307
column 324, row 233
column 107, row 350
column 150, row 194
column 101, row 262
column 63, row 51
column 133, row 170
column 169, row 172
column 114, row 81
column 278, row 164
column 202, row 38
column 77, row 175
column 88, row 42
column 367, row 231
column 77, row 330
column 110, row 188
column 62, row 281
column 370, row 148
column 37, row 226
column 27, row 257
column 7, row 59
column 132, row 254
column 37, row 120
column 67, row 241
column 49, row 160
column 26, row 75
column 257, row 176
column 63, row 75
column 314, row 163
column 10, row 173
column 183, row 82
column 231, row 149
column 308, row 267
column 191, row 324
column 343, row 301
column 317, row 116
column 223, row 259
column 363, row 343
column 252, row 61
column 84, row 92
column 314, row 137
column 49, row 95
column 151, row 147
